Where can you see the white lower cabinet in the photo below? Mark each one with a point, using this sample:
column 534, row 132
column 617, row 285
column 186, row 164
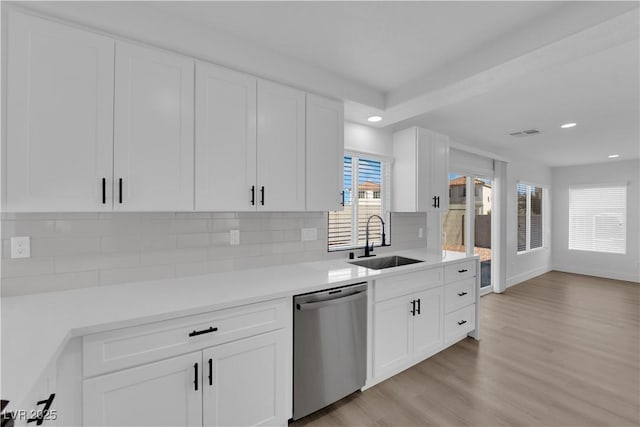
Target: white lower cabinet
column 407, row 328
column 242, row 381
column 416, row 315
column 156, row 394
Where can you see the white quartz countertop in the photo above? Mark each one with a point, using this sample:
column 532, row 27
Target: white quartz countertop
column 36, row 328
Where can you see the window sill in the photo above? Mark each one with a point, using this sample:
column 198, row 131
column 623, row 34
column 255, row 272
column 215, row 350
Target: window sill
column 540, row 249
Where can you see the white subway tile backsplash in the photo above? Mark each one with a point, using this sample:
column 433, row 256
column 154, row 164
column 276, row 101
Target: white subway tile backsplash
column 72, row 250
column 27, row 267
column 195, row 240
column 47, row 247
column 48, row 282
column 124, row 275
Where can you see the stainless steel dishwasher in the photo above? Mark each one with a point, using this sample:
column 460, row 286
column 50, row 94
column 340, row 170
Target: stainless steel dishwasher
column 329, row 347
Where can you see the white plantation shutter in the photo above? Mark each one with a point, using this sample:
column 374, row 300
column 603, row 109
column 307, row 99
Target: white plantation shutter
column 365, row 194
column 597, row 218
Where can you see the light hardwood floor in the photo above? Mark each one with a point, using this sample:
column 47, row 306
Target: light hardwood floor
column 558, row 350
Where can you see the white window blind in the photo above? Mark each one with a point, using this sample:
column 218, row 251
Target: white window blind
column 364, row 195
column 597, row 218
column 530, row 216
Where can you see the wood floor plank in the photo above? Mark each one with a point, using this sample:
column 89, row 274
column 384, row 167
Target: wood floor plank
column 559, row 350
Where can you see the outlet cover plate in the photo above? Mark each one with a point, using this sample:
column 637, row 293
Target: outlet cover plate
column 20, row 247
column 309, row 234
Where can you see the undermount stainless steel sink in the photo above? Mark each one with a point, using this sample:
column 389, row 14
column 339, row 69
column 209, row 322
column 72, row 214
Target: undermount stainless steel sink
column 386, row 262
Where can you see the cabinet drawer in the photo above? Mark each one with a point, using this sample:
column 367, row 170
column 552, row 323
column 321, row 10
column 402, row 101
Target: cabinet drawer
column 459, row 323
column 459, row 271
column 123, row 348
column 458, row 294
column 402, row 284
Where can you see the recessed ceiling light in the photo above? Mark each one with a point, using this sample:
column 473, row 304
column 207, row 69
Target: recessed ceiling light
column 613, row 156
column 374, row 119
column 568, row 125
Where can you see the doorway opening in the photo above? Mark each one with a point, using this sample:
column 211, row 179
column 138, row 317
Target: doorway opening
column 467, row 225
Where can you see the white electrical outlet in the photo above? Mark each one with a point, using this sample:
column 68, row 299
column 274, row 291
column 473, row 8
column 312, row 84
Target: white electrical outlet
column 20, row 247
column 309, row 234
column 420, row 232
column 234, row 237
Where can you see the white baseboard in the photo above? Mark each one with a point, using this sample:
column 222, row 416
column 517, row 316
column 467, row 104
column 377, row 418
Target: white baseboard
column 629, row 277
column 519, row 278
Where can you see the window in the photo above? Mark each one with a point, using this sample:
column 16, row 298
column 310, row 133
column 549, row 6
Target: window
column 597, row 218
column 366, row 178
column 530, row 218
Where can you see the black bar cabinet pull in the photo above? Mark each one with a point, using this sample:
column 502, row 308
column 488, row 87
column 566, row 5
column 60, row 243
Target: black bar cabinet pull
column 210, row 371
column 253, row 195
column 418, row 309
column 413, row 307
column 262, row 195
column 462, row 322
column 434, row 202
column 461, row 294
column 438, row 201
column 195, row 376
column 120, row 190
column 204, row 331
column 464, row 270
column 342, row 194
column 104, row 191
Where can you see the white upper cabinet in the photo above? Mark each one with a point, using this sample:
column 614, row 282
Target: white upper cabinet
column 420, row 171
column 325, row 152
column 225, row 139
column 281, row 148
column 153, row 130
column 58, row 147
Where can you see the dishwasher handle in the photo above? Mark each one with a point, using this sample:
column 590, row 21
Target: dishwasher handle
column 319, row 304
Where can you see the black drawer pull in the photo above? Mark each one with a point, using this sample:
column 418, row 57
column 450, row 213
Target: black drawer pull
column 204, row 331
column 461, row 294
column 262, row 196
column 253, row 195
column 462, row 322
column 464, row 270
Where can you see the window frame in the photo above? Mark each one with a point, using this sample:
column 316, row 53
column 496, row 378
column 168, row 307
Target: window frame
column 624, row 185
column 386, row 165
column 543, row 214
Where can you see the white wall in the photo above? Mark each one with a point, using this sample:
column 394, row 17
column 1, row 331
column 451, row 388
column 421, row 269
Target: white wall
column 527, row 265
column 366, row 139
column 615, row 266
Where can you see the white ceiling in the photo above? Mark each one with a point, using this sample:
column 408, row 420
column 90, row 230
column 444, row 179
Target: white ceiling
column 409, row 49
column 382, row 44
column 475, row 70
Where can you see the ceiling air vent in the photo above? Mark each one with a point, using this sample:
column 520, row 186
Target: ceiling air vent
column 523, row 133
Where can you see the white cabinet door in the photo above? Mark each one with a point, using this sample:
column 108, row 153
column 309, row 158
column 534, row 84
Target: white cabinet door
column 153, row 131
column 392, row 335
column 281, row 148
column 60, row 117
column 225, row 139
column 439, row 171
column 428, row 327
column 157, row 394
column 244, row 382
column 325, row 153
